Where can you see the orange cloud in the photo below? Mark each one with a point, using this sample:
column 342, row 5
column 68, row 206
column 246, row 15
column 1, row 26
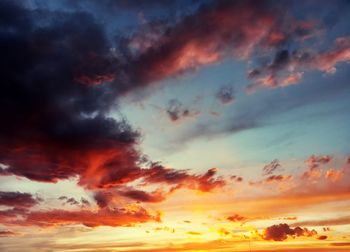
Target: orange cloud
column 345, row 220
column 7, row 233
column 236, row 218
column 102, row 217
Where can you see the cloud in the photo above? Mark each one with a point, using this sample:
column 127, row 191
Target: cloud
column 272, row 179
column 322, row 237
column 181, row 179
column 236, row 218
column 287, row 68
column 281, row 232
column 7, row 233
column 270, row 168
column 56, row 113
column 176, row 111
column 334, row 175
column 344, row 220
column 340, row 244
column 225, row 95
column 278, row 178
column 314, row 163
column 165, row 180
column 102, row 217
column 11, row 214
column 112, row 7
column 236, row 178
column 73, row 202
column 18, row 199
column 152, row 197
column 194, row 233
column 217, row 30
column 57, row 124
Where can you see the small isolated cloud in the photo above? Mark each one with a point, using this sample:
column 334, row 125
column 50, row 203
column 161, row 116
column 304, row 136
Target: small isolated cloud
column 142, row 196
column 236, row 178
column 322, row 237
column 225, row 95
column 176, row 111
column 236, row 218
column 270, row 168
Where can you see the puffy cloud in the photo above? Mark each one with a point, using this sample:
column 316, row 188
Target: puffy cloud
column 281, row 232
column 18, row 199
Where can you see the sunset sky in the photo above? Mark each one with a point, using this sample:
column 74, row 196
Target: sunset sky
column 174, row 125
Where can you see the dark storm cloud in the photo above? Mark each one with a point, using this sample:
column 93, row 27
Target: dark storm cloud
column 52, row 102
column 18, row 199
column 102, row 217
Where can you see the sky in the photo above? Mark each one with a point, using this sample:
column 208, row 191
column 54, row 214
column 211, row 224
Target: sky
column 183, row 125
